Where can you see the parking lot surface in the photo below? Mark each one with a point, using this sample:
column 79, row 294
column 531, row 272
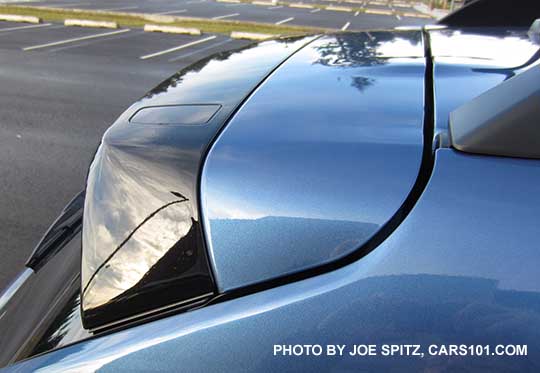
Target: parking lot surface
column 58, row 93
column 274, row 14
column 61, row 87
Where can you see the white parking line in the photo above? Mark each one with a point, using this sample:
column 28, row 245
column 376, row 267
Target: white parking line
column 121, row 8
column 284, row 21
column 173, row 12
column 200, row 50
column 345, row 26
column 357, row 13
column 276, row 7
column 25, row 27
column 74, row 39
column 315, row 10
column 85, row 43
column 178, row 48
column 226, row 16
column 398, row 17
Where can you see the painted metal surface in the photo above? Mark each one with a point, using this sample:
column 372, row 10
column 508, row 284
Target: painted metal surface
column 318, row 159
column 469, row 61
column 175, row 114
column 462, row 268
column 142, row 240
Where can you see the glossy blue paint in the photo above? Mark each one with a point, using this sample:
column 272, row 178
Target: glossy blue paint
column 469, row 61
column 289, row 186
column 142, row 242
column 462, row 268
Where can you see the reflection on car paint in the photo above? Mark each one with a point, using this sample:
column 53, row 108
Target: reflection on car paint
column 472, row 60
column 289, row 187
column 149, row 242
column 437, row 279
column 462, row 268
column 65, row 328
column 175, row 114
column 142, row 242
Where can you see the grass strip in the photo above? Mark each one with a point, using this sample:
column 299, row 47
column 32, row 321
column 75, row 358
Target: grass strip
column 140, row 19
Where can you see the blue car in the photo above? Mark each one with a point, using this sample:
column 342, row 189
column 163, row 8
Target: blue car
column 362, row 201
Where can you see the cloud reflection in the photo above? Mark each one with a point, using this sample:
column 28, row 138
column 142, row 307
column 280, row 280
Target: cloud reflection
column 148, row 244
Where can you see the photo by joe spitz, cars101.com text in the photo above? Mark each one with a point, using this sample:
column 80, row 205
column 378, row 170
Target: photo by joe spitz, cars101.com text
column 270, row 186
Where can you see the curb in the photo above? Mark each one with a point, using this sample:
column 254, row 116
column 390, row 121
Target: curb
column 150, row 21
column 416, row 15
column 89, row 23
column 251, row 35
column 17, row 18
column 263, row 3
column 229, row 1
column 338, row 8
column 172, row 29
column 301, row 5
column 432, row 13
column 159, row 18
column 379, row 11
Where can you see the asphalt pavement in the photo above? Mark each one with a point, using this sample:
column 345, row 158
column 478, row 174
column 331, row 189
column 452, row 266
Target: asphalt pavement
column 56, row 100
column 274, row 14
column 61, row 87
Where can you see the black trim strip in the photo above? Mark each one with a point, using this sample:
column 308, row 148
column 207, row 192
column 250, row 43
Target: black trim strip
column 66, row 226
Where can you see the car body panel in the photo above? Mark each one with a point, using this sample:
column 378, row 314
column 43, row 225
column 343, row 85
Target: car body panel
column 433, row 281
column 142, row 241
column 290, row 186
column 469, row 61
column 461, row 268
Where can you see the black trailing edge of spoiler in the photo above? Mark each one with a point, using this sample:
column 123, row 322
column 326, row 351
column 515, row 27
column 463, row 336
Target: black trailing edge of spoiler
column 143, row 249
